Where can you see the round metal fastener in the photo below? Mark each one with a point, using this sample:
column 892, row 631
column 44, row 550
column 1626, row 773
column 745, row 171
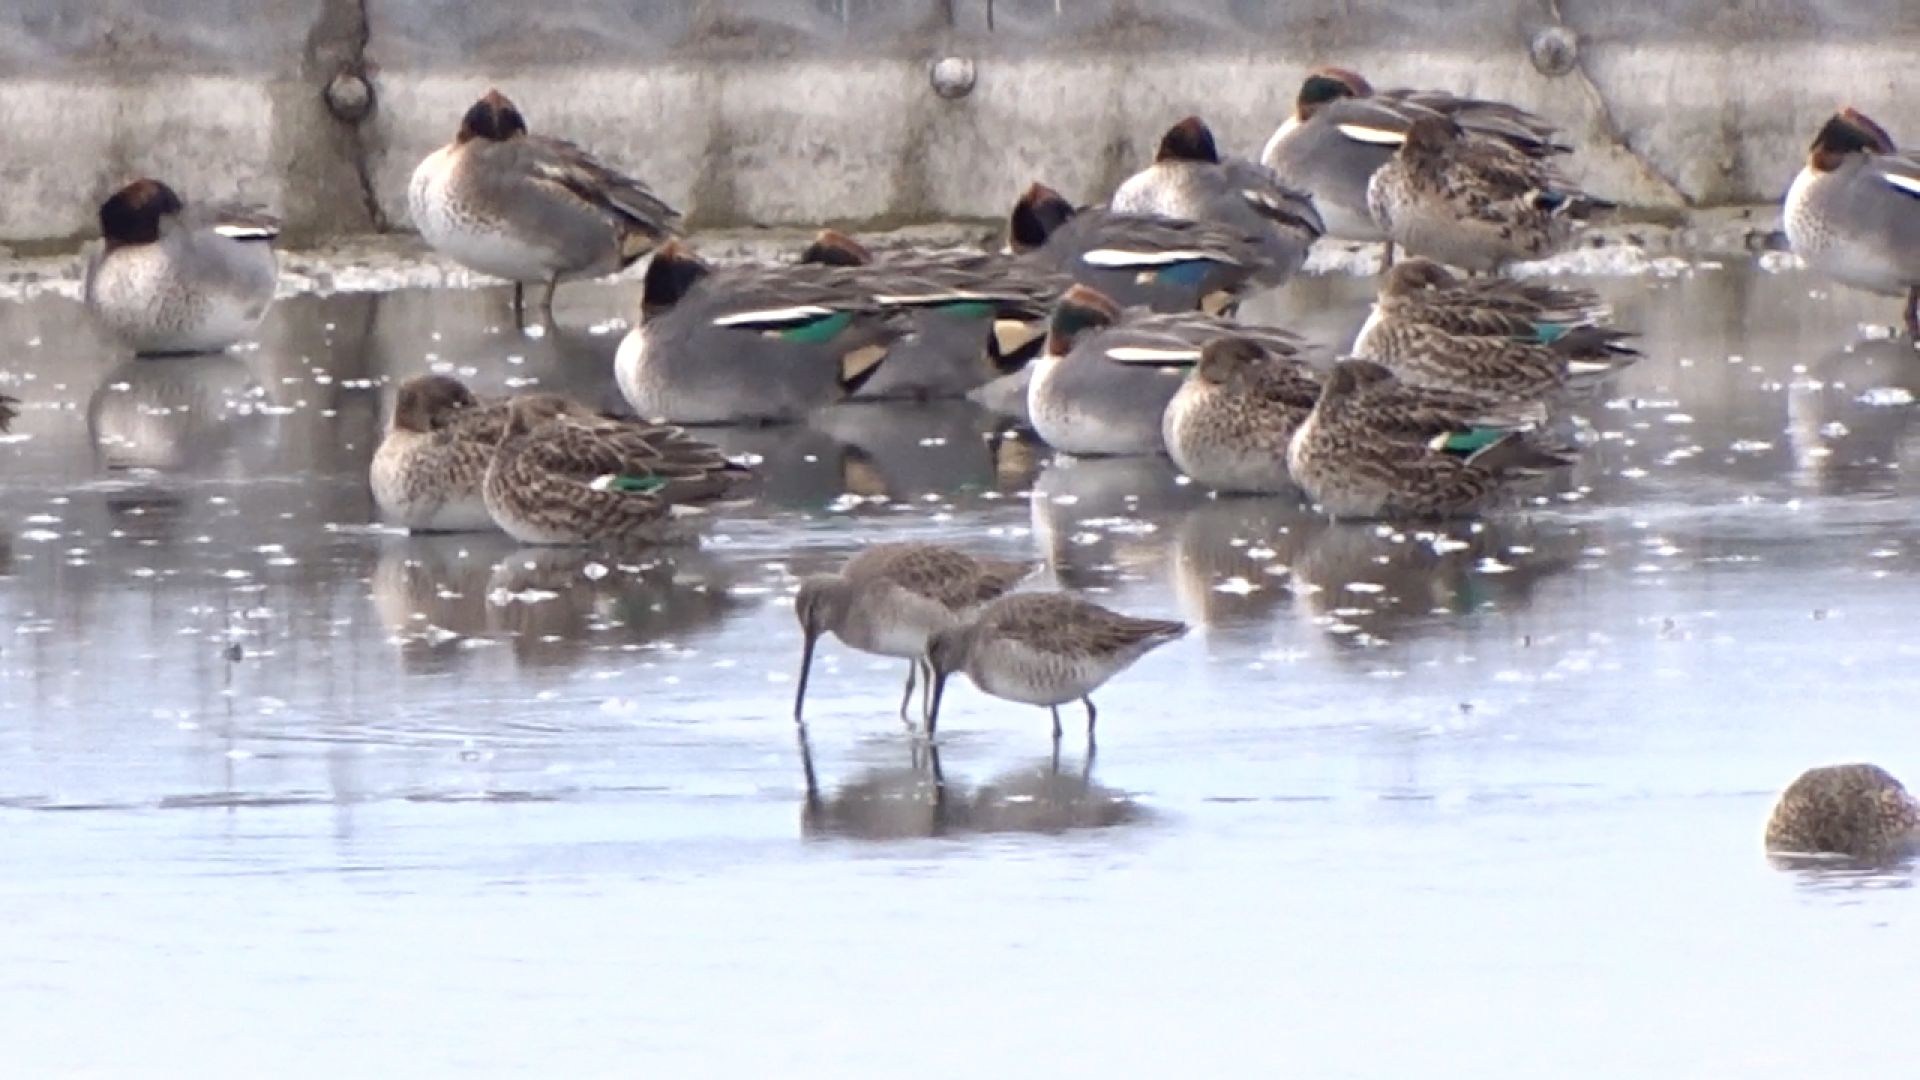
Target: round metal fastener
column 952, row 77
column 349, row 97
column 1554, row 51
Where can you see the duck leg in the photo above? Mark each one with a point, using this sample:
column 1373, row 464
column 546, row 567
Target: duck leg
column 546, row 302
column 1386, row 258
column 1913, row 313
column 1056, row 727
column 519, row 305
column 1091, row 717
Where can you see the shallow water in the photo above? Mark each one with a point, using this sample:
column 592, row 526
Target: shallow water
column 285, row 793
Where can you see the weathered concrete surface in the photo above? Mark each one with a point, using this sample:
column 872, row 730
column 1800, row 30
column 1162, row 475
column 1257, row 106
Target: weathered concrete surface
column 789, row 111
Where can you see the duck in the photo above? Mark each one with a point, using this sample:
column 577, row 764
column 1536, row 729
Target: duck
column 175, row 279
column 1140, row 260
column 1474, row 203
column 531, row 208
column 428, row 472
column 1189, row 179
column 750, row 344
column 1045, row 649
column 1858, row 810
column 1232, row 420
column 1375, row 447
column 1103, row 383
column 975, row 316
column 1419, row 290
column 1495, row 356
column 558, row 478
column 1853, row 212
column 1341, row 132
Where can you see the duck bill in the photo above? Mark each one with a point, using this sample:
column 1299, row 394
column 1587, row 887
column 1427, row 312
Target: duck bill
column 807, row 642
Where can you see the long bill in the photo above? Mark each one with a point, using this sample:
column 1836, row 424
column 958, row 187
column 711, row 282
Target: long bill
column 808, row 640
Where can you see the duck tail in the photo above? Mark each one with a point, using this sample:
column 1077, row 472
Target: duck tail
column 1518, row 452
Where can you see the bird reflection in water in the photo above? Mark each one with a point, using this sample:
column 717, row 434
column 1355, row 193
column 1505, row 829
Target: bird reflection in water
column 1367, row 584
column 919, row 799
column 551, row 605
column 173, row 414
column 1849, row 415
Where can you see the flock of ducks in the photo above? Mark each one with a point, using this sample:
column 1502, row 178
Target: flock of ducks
column 1108, row 329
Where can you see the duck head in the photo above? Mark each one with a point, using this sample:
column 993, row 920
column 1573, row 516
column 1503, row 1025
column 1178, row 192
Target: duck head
column 1225, row 361
column 132, row 215
column 1414, row 275
column 427, row 402
column 1326, row 84
column 1431, row 134
column 1189, row 140
column 1036, row 215
column 1848, row 131
column 493, row 118
column 832, row 247
column 672, row 273
column 1080, row 310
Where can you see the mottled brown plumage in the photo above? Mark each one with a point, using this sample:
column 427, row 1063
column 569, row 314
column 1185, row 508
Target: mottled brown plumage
column 428, row 471
column 1231, row 422
column 1858, row 810
column 564, row 479
column 1043, row 649
column 1471, row 202
column 1376, row 447
column 891, row 598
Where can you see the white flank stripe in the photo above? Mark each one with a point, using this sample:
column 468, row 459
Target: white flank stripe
column 1586, row 367
column 246, row 232
column 774, row 316
column 1375, row 136
column 932, row 298
column 1901, row 182
column 1117, row 257
column 1143, row 354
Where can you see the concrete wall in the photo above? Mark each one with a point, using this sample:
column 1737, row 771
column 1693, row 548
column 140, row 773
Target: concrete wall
column 749, row 111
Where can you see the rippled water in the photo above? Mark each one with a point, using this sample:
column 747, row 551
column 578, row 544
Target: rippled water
column 284, row 793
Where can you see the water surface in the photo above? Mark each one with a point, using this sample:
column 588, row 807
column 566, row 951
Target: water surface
column 282, row 792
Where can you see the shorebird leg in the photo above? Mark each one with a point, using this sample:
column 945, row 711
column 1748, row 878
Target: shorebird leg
column 1056, row 727
column 913, row 672
column 1091, row 717
column 937, row 684
column 1913, row 313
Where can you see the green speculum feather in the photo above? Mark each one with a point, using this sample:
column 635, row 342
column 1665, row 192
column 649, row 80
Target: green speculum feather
column 818, row 331
column 967, row 309
column 1548, row 333
column 640, row 485
column 1472, row 440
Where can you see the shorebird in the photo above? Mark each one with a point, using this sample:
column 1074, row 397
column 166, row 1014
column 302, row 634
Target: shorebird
column 891, row 598
column 1043, row 649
